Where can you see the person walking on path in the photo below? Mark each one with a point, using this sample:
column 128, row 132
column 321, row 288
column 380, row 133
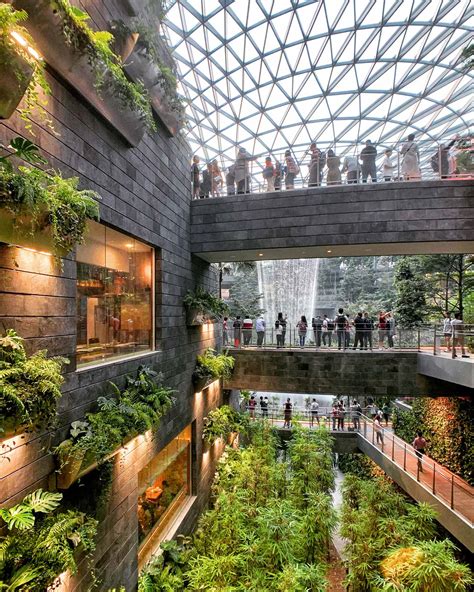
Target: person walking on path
column 419, row 444
column 314, row 409
column 447, row 331
column 458, row 335
column 368, row 156
column 386, row 413
column 378, row 429
column 237, row 326
column 411, row 160
column 260, row 328
column 302, row 327
column 287, row 409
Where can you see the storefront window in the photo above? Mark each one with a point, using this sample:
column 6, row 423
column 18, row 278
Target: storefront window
column 163, row 486
column 114, row 296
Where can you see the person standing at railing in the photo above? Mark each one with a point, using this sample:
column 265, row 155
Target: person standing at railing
column 359, row 324
column 242, row 171
column 368, row 156
column 356, row 412
column 252, row 406
column 387, row 166
column 458, row 335
column 260, row 328
column 217, row 180
column 383, row 328
column 340, row 322
column 279, row 334
column 287, row 411
column 411, row 160
column 278, row 174
column 237, row 326
column 334, row 415
column 368, row 329
column 378, row 429
column 390, row 329
column 317, row 324
column 351, row 167
column 333, row 176
column 247, row 329
column 268, row 174
column 419, row 444
column 447, row 331
column 302, row 326
column 195, row 177
column 314, row 410
column 281, row 322
column 291, row 170
column 328, row 329
column 206, row 184
column 230, row 180
column 225, row 331
column 316, row 165
column 340, row 416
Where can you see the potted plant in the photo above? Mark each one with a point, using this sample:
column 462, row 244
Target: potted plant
column 41, row 209
column 101, row 436
column 202, row 306
column 211, row 366
column 223, row 422
column 85, row 59
column 29, row 386
column 21, row 69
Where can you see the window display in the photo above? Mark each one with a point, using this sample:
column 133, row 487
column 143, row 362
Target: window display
column 114, row 295
column 163, row 486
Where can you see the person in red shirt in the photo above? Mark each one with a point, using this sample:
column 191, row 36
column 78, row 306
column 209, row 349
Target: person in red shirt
column 419, row 444
column 252, row 405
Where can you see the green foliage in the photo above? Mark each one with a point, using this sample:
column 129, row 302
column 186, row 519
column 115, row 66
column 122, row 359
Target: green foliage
column 166, row 572
column 411, row 299
column 468, row 56
column 10, row 22
column 213, row 365
column 105, row 64
column 21, row 148
column 262, row 532
column 376, row 520
column 244, row 296
column 221, row 422
column 38, row 548
column 359, row 465
column 426, row 566
column 448, row 426
column 205, row 302
column 29, row 386
column 133, row 411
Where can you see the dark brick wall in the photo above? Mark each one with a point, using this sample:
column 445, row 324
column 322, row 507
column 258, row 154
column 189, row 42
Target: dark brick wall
column 382, row 218
column 350, row 373
column 145, row 192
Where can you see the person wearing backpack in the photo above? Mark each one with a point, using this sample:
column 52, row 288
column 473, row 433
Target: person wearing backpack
column 328, row 328
column 292, row 170
column 281, row 323
column 340, row 323
column 359, row 325
column 317, row 324
column 269, row 174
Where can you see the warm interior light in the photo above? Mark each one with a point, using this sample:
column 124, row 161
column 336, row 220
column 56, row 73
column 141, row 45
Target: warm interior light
column 24, row 43
column 329, row 251
column 36, row 251
column 260, row 254
column 129, row 245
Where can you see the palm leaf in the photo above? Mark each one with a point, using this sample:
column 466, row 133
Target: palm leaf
column 43, row 501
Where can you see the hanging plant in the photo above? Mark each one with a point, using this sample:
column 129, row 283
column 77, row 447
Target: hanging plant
column 222, row 422
column 211, row 366
column 21, row 68
column 202, row 305
column 41, row 208
column 29, row 386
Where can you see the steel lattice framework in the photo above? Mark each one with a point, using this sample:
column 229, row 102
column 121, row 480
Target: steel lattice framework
column 273, row 74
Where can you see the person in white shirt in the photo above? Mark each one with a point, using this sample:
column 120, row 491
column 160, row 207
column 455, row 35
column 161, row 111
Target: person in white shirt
column 314, row 412
column 387, row 166
column 457, row 325
column 260, row 328
column 447, row 331
column 352, row 168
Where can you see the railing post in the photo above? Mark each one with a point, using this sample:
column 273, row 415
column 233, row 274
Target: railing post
column 365, row 428
column 453, row 348
column 452, row 492
column 382, row 433
column 405, row 458
column 417, row 469
column 393, row 447
column 434, row 342
column 373, row 433
column 434, row 479
column 419, row 339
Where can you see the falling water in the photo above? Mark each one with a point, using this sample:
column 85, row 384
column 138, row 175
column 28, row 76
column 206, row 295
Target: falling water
column 288, row 286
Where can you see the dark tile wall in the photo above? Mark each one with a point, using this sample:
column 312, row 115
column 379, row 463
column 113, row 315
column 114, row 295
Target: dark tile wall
column 145, row 192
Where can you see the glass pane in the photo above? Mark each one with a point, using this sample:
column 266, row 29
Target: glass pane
column 114, row 296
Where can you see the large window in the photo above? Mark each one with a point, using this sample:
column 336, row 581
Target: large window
column 163, row 486
column 114, row 296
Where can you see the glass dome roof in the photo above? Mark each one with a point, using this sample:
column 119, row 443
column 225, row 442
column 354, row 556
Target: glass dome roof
column 272, row 74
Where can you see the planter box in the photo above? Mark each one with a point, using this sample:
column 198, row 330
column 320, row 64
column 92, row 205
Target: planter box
column 195, row 317
column 73, row 467
column 44, row 25
column 139, row 67
column 13, row 87
column 14, row 230
column 201, row 383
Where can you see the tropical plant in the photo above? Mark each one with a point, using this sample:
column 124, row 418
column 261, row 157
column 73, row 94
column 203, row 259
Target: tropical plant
column 166, row 572
column 213, row 365
column 205, row 303
column 105, row 64
column 135, row 410
column 222, row 422
column 11, row 30
column 410, row 302
column 29, row 386
column 40, row 543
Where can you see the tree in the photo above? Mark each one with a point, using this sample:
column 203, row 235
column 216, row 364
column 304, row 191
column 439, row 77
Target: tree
column 245, row 297
column 410, row 303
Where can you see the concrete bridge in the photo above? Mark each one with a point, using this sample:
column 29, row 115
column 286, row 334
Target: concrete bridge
column 355, row 373
column 347, row 220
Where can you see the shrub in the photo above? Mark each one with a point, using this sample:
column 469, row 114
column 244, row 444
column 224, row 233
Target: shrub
column 205, row 302
column 214, row 365
column 221, row 422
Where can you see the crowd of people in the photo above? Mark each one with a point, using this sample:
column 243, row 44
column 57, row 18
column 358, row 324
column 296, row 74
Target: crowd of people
column 356, row 168
column 343, row 330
